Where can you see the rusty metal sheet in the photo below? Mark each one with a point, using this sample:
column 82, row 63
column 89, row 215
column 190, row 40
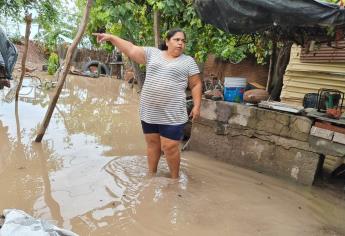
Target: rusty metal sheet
column 302, row 77
column 324, row 53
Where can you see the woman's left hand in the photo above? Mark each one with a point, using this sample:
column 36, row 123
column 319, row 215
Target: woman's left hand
column 195, row 113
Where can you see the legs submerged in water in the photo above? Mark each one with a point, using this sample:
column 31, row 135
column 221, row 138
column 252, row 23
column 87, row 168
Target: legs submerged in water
column 171, row 150
column 155, row 143
column 153, row 151
column 165, row 138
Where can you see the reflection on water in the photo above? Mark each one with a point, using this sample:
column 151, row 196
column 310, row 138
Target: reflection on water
column 89, row 174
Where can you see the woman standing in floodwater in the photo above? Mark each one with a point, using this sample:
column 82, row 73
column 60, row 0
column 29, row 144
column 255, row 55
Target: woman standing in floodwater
column 163, row 110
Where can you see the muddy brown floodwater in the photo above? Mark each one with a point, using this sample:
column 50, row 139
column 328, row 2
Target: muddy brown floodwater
column 89, row 174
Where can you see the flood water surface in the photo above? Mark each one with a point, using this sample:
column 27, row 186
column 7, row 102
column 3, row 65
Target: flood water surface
column 89, row 174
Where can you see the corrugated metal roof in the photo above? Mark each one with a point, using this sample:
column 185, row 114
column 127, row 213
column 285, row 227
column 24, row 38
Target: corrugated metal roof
column 301, row 78
column 324, row 53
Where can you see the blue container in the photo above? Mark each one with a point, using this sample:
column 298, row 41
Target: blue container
column 234, row 94
column 234, row 89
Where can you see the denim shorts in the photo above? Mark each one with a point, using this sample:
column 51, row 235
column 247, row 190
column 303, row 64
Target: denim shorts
column 174, row 132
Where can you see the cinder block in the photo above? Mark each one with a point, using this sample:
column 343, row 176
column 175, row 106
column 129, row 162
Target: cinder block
column 339, row 138
column 322, row 133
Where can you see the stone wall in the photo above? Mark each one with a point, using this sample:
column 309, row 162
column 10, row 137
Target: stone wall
column 267, row 141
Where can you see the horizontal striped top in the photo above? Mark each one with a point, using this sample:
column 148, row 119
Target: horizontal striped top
column 163, row 96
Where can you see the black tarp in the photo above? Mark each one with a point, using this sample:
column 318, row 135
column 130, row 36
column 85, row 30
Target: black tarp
column 8, row 54
column 249, row 16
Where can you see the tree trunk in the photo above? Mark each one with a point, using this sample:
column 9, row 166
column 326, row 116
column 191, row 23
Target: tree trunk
column 28, row 20
column 138, row 74
column 156, row 27
column 19, row 137
column 65, row 71
column 283, row 58
column 271, row 66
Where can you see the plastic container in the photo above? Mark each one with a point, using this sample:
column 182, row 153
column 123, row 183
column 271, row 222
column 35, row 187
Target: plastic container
column 234, row 88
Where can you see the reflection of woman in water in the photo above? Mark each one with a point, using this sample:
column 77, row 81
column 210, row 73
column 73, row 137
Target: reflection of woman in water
column 163, row 111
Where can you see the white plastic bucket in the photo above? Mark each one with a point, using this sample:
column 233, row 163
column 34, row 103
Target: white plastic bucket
column 234, row 88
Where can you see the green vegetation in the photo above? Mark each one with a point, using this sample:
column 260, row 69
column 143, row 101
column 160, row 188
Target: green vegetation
column 16, row 39
column 47, row 12
column 133, row 20
column 53, row 63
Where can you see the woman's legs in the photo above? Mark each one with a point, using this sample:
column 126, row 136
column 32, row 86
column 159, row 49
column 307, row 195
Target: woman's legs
column 153, row 149
column 166, row 138
column 171, row 150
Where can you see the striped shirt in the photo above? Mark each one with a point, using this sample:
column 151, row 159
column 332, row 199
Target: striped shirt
column 163, row 96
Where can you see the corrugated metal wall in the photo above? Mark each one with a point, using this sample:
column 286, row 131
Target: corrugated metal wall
column 301, row 78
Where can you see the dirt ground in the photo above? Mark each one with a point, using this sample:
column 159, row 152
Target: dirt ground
column 35, row 56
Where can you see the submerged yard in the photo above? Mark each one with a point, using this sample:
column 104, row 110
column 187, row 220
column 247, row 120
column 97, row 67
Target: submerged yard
column 89, row 174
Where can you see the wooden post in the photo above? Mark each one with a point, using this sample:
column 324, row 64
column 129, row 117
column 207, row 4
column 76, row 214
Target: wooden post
column 19, row 137
column 156, row 28
column 271, row 66
column 65, row 71
column 28, row 20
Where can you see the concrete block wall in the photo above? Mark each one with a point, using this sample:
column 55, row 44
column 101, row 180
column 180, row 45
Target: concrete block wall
column 271, row 142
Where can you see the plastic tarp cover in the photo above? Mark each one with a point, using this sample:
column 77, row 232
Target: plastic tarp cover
column 249, row 16
column 8, row 54
column 19, row 223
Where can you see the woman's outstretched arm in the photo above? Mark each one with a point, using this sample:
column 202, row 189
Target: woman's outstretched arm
column 134, row 52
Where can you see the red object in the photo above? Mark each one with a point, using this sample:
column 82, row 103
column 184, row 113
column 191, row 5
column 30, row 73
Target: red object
column 329, row 126
column 333, row 113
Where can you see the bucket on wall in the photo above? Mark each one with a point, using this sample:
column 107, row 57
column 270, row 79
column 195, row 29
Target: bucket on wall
column 234, row 88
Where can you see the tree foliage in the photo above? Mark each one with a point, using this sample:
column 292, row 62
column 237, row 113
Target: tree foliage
column 46, row 9
column 46, row 13
column 64, row 27
column 133, row 20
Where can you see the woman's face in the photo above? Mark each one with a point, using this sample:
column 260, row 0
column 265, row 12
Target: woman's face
column 176, row 44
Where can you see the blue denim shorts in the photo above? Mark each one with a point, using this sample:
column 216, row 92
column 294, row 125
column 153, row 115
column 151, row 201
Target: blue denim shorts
column 174, row 132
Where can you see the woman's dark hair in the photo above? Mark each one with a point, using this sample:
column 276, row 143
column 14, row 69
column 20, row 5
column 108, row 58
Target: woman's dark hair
column 171, row 33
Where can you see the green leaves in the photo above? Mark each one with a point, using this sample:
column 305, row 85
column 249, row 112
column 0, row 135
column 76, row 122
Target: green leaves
column 133, row 20
column 53, row 63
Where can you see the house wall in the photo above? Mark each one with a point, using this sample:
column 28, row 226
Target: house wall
column 83, row 55
column 248, row 69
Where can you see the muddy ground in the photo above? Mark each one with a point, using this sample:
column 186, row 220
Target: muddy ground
column 89, row 174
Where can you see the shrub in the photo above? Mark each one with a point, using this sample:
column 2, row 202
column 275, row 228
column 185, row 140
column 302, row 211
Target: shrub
column 16, row 39
column 53, row 63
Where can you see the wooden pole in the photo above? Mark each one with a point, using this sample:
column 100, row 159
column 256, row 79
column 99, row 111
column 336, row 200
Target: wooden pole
column 28, row 20
column 65, row 71
column 156, row 27
column 271, row 66
column 19, row 137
